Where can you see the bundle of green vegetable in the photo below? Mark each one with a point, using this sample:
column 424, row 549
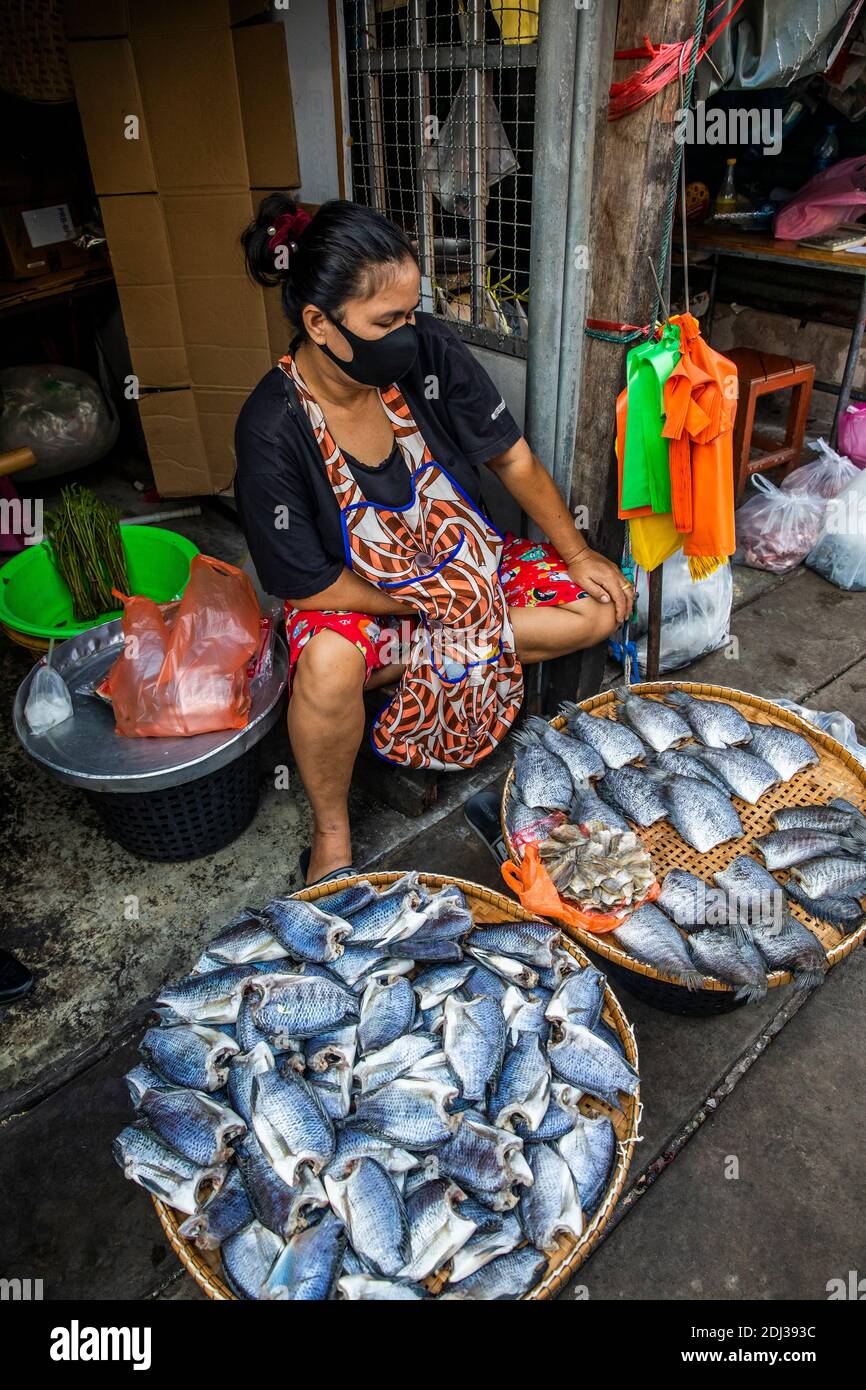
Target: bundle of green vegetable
column 85, row 540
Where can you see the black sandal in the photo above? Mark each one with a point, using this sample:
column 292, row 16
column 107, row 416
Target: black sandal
column 304, row 866
column 481, row 812
column 15, row 979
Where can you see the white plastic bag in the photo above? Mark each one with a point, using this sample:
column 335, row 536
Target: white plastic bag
column 58, row 412
column 696, row 614
column 447, row 163
column 839, row 553
column 825, row 476
column 776, row 529
column 48, row 702
column 832, row 722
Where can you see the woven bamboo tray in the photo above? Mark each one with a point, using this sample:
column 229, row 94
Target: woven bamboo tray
column 837, row 774
column 486, row 906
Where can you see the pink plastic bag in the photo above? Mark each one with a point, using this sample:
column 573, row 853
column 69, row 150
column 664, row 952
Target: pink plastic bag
column 183, row 671
column 837, row 194
column 852, row 433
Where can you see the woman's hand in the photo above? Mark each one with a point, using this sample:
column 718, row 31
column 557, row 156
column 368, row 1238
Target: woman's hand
column 603, row 580
column 531, row 485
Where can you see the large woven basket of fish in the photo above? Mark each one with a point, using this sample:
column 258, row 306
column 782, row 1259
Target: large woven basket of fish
column 835, row 918
column 552, row 1270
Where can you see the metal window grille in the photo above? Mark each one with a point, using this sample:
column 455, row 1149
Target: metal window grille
column 441, row 109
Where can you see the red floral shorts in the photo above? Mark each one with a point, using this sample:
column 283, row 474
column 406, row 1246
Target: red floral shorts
column 532, row 574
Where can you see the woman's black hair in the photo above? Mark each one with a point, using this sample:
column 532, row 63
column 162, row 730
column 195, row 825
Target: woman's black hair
column 335, row 258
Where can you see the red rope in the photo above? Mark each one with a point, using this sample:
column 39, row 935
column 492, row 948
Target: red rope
column 611, row 326
column 662, row 68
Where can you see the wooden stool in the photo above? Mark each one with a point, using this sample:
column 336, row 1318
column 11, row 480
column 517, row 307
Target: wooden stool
column 759, row 373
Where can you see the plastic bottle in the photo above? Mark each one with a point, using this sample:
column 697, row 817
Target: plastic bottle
column 827, row 149
column 793, row 112
column 726, row 198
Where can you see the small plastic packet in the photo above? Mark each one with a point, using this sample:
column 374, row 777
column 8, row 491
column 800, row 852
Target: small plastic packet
column 261, row 664
column 48, row 702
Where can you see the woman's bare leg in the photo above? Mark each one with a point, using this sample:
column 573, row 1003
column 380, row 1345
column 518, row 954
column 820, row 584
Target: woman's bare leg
column 326, row 711
column 326, row 725
column 553, row 630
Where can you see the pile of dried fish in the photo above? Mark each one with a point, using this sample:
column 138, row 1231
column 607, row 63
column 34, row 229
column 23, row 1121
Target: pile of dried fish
column 349, row 1098
column 683, row 758
column 596, row 866
column 679, row 758
column 733, row 930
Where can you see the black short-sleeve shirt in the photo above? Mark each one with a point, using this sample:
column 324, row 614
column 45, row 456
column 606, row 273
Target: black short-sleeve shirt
column 286, row 505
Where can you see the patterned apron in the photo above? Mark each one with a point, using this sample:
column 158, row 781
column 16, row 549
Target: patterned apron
column 463, row 684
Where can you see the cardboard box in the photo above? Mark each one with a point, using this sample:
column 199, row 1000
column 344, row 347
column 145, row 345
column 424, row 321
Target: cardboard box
column 30, row 238
column 138, row 246
column 181, row 16
column 217, row 416
column 157, row 350
column 137, row 239
column 219, row 108
column 192, row 316
column 221, row 310
column 174, row 444
column 110, row 19
column 190, row 439
column 190, row 93
column 267, row 110
column 95, row 19
column 108, row 96
column 224, row 333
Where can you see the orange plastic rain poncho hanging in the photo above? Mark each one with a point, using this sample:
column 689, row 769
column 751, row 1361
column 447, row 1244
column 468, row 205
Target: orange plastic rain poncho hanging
column 700, row 401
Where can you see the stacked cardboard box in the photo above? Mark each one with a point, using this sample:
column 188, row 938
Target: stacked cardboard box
column 188, row 121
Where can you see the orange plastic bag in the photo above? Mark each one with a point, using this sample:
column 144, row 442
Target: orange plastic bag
column 700, row 403
column 533, row 885
column 183, row 671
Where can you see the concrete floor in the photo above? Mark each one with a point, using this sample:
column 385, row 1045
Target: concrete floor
column 788, row 1223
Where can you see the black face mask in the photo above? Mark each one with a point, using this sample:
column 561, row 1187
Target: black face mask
column 377, row 361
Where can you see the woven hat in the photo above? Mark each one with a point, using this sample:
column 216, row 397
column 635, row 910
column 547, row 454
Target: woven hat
column 33, row 61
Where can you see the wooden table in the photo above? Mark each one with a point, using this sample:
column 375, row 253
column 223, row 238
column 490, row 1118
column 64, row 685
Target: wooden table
column 754, row 246
column 20, row 295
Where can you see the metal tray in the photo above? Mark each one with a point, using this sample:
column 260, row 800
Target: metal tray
column 86, row 752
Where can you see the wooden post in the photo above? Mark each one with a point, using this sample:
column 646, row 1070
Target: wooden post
column 636, row 154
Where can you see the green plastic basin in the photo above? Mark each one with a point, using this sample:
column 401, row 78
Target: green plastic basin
column 36, row 601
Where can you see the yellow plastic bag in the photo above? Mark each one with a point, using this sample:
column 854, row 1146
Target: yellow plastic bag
column 518, row 21
column 653, row 540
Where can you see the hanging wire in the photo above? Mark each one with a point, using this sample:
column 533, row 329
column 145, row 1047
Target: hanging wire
column 626, row 334
column 668, row 225
column 683, row 109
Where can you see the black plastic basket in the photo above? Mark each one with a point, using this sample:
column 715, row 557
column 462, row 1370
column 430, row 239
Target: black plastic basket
column 187, row 821
column 673, row 999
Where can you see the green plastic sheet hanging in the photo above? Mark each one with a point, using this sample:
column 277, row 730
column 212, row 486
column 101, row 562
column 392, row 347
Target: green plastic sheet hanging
column 646, row 478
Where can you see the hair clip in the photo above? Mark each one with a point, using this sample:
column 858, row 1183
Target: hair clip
column 287, row 228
